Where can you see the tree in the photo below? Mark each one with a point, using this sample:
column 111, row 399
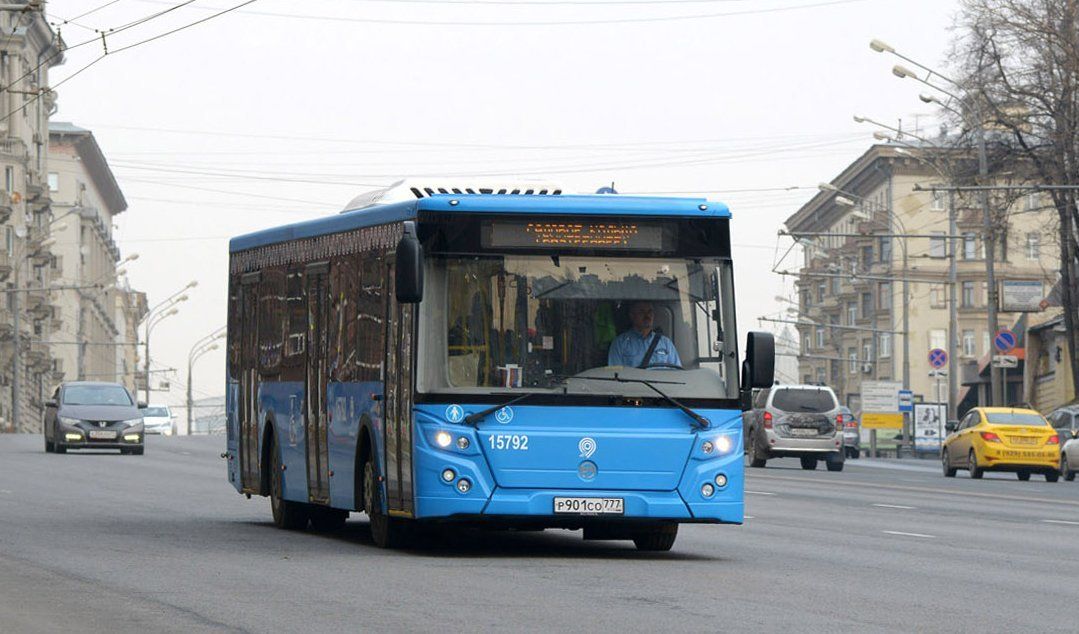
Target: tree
column 1019, row 64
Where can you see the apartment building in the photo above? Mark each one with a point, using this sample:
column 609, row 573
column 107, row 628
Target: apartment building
column 28, row 50
column 97, row 307
column 851, row 292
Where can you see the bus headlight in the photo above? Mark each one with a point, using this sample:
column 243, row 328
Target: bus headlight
column 721, row 480
column 443, row 439
column 707, row 490
column 448, row 475
column 462, row 443
column 463, row 485
column 723, row 444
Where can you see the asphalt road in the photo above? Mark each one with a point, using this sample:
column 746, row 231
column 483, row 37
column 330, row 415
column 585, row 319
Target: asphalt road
column 161, row 542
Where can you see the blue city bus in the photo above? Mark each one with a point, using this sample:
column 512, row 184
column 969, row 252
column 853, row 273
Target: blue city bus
column 516, row 359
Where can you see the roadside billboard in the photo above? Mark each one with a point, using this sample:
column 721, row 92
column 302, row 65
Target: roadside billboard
column 929, row 421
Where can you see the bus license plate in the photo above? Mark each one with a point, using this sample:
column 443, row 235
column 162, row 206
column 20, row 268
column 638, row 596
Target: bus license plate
column 103, row 435
column 590, row 506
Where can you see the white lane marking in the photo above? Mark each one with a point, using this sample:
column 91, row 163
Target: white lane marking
column 909, row 534
column 896, row 506
column 4, row 491
column 759, row 492
column 748, row 517
column 1061, row 522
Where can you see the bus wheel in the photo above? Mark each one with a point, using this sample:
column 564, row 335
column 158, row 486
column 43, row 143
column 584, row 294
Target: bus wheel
column 286, row 514
column 658, row 539
column 385, row 532
column 325, row 519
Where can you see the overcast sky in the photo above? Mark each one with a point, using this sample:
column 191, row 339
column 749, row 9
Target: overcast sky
column 285, row 109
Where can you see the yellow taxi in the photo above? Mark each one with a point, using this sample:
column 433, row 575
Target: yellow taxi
column 1002, row 439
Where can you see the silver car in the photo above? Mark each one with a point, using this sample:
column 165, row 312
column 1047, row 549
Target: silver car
column 802, row 421
column 1066, row 422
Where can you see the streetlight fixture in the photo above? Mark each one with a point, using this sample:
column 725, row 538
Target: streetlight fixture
column 201, row 347
column 998, row 390
column 880, row 46
column 151, row 319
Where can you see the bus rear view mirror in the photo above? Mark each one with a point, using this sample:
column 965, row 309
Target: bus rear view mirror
column 759, row 367
column 409, row 275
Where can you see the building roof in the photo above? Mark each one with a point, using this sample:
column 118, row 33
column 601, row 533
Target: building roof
column 596, row 205
column 92, row 157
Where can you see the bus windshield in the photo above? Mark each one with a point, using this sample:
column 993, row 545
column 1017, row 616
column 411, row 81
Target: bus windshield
column 495, row 324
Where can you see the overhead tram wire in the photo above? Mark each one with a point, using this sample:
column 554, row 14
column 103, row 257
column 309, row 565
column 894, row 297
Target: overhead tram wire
column 102, row 33
column 698, row 16
column 226, row 191
column 121, row 49
column 95, row 9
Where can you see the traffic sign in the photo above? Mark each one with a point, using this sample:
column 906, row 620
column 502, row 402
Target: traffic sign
column 906, row 400
column 938, row 358
column 1005, row 340
column 1005, row 361
column 882, row 420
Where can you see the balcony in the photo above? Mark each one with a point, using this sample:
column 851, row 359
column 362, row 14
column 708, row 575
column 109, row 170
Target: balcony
column 57, row 370
column 36, row 298
column 13, row 147
column 38, row 354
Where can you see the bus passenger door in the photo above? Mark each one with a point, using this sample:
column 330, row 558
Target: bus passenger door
column 318, row 468
column 249, row 425
column 398, row 400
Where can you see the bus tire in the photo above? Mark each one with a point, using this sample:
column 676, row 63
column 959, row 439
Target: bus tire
column 386, row 532
column 48, row 446
column 658, row 539
column 286, row 514
column 326, row 520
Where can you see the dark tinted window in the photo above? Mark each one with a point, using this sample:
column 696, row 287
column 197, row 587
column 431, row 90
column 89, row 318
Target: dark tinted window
column 1014, row 418
column 96, row 395
column 804, row 401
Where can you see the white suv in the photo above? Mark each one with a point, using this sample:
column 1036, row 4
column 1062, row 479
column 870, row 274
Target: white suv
column 157, row 419
column 802, row 421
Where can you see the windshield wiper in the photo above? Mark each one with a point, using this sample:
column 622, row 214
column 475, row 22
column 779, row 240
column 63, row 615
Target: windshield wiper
column 700, row 420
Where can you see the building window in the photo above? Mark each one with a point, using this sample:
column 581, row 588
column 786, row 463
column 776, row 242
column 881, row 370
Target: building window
column 867, row 257
column 885, row 345
column 820, row 337
column 938, row 338
column 54, row 182
column 937, row 246
column 821, row 379
column 938, row 201
column 1032, row 201
column 885, row 250
column 852, row 360
column 970, row 246
column 821, row 287
column 835, row 286
column 968, row 344
column 805, row 301
column 884, row 301
column 967, row 296
column 867, row 305
column 937, row 297
column 852, row 313
column 867, row 351
column 9, row 180
column 1034, row 246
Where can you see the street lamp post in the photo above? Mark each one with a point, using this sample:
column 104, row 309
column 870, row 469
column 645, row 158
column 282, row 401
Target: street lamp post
column 150, row 317
column 996, row 394
column 201, row 347
column 149, row 329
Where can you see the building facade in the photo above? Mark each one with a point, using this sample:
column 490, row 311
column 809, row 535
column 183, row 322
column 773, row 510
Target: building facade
column 28, row 49
column 98, row 309
column 852, row 303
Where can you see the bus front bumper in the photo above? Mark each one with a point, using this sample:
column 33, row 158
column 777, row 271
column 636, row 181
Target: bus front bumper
column 540, row 505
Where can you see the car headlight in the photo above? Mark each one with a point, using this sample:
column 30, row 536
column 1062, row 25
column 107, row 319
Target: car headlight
column 69, row 421
column 134, row 424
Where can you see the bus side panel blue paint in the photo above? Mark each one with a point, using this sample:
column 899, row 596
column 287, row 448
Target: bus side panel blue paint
column 434, row 496
column 727, row 503
column 282, row 402
column 347, row 406
column 232, row 431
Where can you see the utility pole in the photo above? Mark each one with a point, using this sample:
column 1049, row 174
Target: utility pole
column 996, row 396
column 16, row 410
column 953, row 314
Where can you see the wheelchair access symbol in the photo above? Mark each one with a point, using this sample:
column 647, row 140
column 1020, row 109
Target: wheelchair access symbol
column 504, row 415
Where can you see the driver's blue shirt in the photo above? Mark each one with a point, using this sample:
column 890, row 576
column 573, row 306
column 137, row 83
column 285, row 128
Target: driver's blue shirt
column 629, row 347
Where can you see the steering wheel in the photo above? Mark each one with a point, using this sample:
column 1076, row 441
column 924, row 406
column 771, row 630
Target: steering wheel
column 669, row 366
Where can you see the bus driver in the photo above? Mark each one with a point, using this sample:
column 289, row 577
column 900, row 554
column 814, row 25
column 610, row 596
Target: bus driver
column 632, row 347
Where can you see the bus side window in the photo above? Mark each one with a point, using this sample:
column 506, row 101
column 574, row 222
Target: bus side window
column 370, row 323
column 270, row 317
column 342, row 349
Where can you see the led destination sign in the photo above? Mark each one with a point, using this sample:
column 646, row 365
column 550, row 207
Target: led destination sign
column 577, row 234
